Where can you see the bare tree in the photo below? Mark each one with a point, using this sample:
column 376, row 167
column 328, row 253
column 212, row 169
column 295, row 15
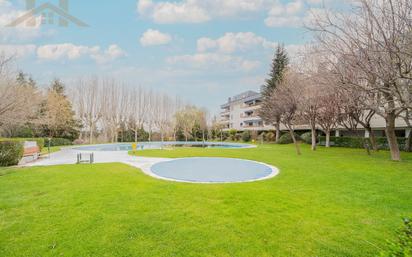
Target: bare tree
column 285, row 101
column 374, row 40
column 138, row 110
column 88, row 104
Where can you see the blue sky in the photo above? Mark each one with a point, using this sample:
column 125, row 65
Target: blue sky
column 201, row 50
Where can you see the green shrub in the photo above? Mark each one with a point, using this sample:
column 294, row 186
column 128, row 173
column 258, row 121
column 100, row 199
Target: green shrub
column 11, row 153
column 287, row 139
column 307, row 137
column 403, row 246
column 232, row 134
column 57, row 142
column 39, row 141
column 246, row 136
column 359, row 142
column 270, row 136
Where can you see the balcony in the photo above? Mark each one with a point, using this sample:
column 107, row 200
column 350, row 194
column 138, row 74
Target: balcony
column 251, row 106
column 246, row 116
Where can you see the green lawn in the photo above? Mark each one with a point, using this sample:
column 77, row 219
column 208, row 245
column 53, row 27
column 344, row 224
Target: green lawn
column 53, row 149
column 334, row 202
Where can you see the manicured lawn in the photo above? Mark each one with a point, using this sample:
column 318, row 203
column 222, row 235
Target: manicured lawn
column 335, row 202
column 53, row 149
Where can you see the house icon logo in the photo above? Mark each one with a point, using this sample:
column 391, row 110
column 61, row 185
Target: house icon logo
column 49, row 14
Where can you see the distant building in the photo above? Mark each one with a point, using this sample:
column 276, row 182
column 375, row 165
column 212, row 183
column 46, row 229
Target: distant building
column 241, row 113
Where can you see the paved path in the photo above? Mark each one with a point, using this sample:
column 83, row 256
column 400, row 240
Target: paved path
column 69, row 156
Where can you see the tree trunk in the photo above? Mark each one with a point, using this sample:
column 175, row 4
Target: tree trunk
column 91, row 134
column 327, row 132
column 408, row 143
column 313, row 130
column 391, row 136
column 292, row 134
column 135, row 136
column 372, row 139
column 277, row 126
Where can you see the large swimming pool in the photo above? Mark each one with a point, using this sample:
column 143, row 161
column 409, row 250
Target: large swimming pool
column 212, row 170
column 159, row 145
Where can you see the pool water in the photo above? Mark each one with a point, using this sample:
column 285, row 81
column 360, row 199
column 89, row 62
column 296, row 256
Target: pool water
column 159, row 145
column 212, row 170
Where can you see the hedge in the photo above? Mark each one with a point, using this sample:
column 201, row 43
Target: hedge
column 307, row 137
column 287, row 139
column 40, row 141
column 359, row 142
column 57, row 142
column 11, row 152
column 246, row 136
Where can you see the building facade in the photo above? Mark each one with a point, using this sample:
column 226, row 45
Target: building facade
column 240, row 112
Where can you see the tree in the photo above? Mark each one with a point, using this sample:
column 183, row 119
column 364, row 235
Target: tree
column 285, row 102
column 186, row 120
column 278, row 69
column 57, row 116
column 138, row 110
column 89, row 104
column 372, row 41
column 19, row 100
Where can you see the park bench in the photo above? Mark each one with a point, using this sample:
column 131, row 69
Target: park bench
column 31, row 152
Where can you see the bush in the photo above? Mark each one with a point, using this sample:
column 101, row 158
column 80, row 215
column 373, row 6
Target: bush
column 307, row 137
column 403, row 246
column 79, row 142
column 39, row 141
column 270, row 136
column 359, row 142
column 11, row 153
column 57, row 142
column 287, row 139
column 232, row 134
column 246, row 136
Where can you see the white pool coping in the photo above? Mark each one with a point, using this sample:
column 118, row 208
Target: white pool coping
column 147, row 169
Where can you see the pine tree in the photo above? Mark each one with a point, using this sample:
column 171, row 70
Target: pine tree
column 58, row 87
column 279, row 65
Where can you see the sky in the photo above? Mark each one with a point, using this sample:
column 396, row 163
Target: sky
column 201, row 50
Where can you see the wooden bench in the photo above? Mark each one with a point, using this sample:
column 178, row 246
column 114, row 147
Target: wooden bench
column 31, row 152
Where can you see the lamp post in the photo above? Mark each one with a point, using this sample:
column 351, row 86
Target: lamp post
column 48, row 146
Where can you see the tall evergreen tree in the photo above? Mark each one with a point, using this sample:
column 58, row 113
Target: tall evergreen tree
column 278, row 69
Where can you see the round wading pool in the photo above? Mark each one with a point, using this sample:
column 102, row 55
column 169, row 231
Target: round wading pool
column 212, row 170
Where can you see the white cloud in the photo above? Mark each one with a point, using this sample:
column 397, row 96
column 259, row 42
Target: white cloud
column 282, row 21
column 196, row 11
column 18, row 51
column 65, row 51
column 214, row 61
column 154, row 37
column 72, row 52
column 232, row 42
column 112, row 53
column 292, row 14
column 8, row 13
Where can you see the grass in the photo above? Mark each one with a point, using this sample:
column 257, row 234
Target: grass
column 53, row 149
column 333, row 202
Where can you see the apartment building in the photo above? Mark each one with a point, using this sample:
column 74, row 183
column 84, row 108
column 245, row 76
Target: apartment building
column 240, row 112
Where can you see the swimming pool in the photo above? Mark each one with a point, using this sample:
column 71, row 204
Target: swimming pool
column 212, row 170
column 159, row 145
